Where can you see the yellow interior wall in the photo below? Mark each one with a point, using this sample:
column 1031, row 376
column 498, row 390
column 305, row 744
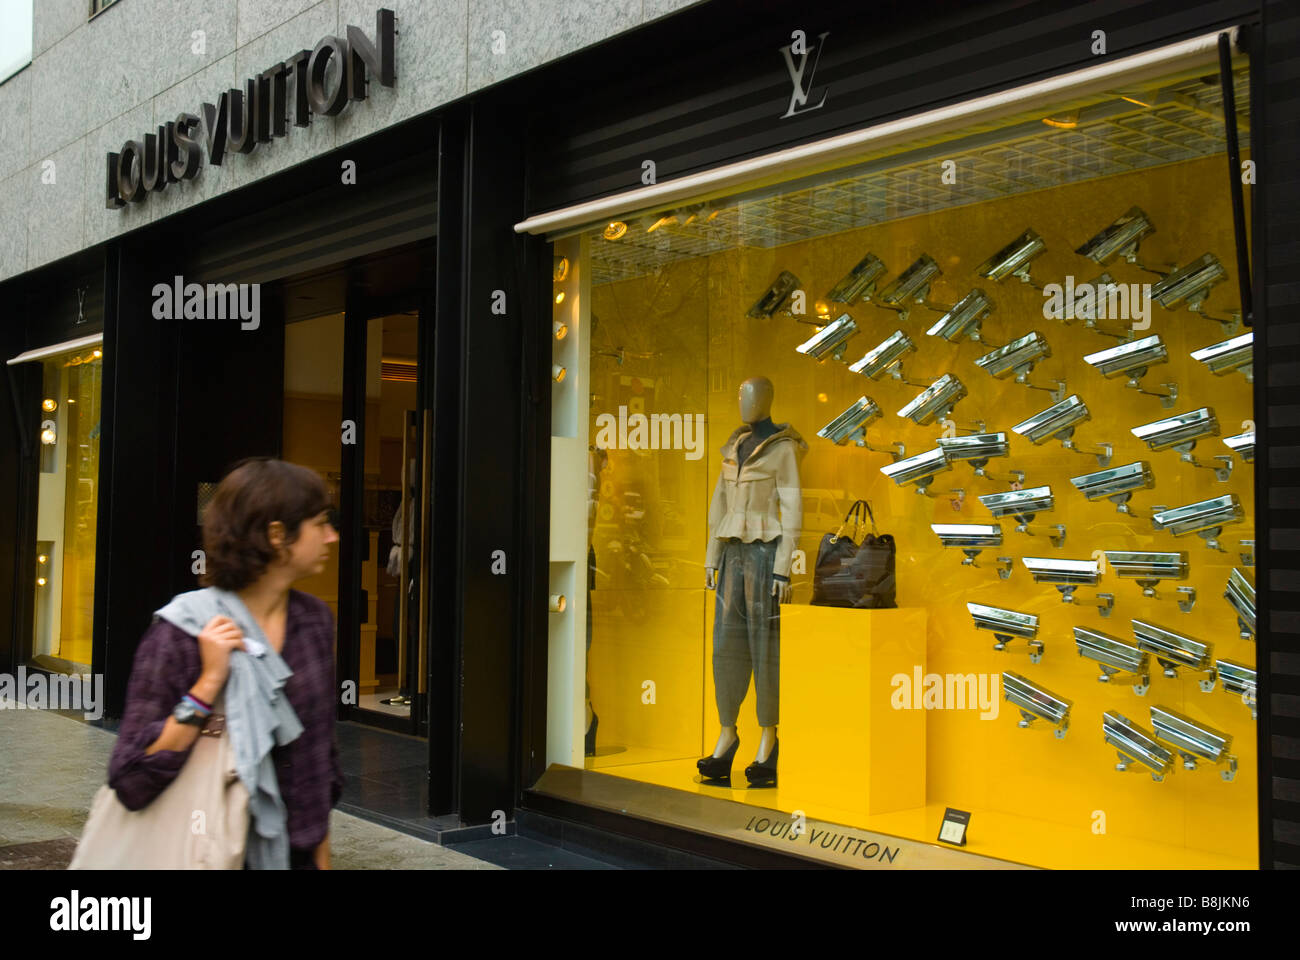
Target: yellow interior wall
column 685, row 330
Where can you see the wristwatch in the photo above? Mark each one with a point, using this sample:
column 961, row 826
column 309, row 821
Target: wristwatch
column 185, row 712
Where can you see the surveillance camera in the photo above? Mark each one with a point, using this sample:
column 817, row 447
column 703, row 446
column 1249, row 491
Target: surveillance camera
column 1172, row 650
column 935, row 401
column 1036, row 703
column 1229, row 355
column 1240, row 594
column 1016, row 358
column 1148, row 569
column 977, row 448
column 830, row 340
column 1014, row 258
column 1175, row 431
column 1115, row 657
column 1121, row 238
column 1239, row 680
column 859, row 283
column 1116, row 483
column 963, row 320
column 852, row 423
column 1056, row 419
column 919, row 469
column 912, row 284
column 1206, row 517
column 885, row 357
column 775, row 295
column 1243, row 445
column 1135, row 746
column 1194, row 740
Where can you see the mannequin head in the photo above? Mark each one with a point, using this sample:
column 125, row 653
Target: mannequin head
column 756, row 399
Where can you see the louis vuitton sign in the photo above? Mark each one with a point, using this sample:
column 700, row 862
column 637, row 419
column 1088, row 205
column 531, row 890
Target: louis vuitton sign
column 320, row 81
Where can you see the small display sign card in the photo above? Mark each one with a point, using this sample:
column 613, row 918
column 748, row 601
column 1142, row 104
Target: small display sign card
column 953, row 828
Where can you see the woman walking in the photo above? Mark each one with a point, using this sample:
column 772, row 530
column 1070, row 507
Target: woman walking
column 267, row 527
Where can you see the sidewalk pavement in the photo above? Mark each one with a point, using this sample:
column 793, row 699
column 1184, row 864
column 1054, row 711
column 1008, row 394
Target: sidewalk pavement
column 52, row 765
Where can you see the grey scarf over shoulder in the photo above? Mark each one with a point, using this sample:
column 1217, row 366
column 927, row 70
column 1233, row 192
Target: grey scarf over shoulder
column 258, row 716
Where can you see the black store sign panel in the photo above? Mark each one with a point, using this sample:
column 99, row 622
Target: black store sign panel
column 719, row 84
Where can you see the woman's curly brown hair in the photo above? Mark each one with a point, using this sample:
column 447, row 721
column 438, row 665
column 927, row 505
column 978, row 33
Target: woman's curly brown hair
column 257, row 492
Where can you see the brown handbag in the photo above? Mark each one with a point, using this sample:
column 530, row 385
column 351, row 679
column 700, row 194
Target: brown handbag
column 199, row 822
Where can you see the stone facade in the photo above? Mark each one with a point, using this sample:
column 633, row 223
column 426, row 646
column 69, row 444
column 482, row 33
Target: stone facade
column 95, row 83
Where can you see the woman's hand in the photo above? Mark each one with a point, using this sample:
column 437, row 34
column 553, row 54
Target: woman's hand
column 322, row 854
column 219, row 636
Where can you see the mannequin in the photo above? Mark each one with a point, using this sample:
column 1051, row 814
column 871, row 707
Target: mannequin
column 756, row 495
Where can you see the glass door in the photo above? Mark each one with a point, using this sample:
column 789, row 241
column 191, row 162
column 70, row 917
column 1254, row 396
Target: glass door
column 386, row 564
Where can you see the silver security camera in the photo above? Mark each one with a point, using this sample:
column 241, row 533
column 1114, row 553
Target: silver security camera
column 912, row 285
column 973, row 538
column 1243, row 445
column 859, row 283
column 1007, row 625
column 977, row 449
column 1120, row 239
column 1229, row 355
column 774, row 297
column 831, row 340
column 1115, row 657
column 1173, row 650
column 920, row 469
column 1013, row 260
column 1194, row 740
column 935, row 402
column 1116, row 483
column 887, row 358
column 1148, row 569
column 1059, row 420
column 1067, row 576
column 851, row 427
column 1132, row 360
column 1017, row 359
column 1240, row 680
column 1205, row 518
column 1240, row 594
column 1180, row 432
column 1024, row 505
column 1135, row 745
column 1036, row 703
column 963, row 321
column 1192, row 283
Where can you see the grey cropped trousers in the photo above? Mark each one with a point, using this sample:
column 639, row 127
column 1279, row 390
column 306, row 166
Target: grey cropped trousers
column 747, row 631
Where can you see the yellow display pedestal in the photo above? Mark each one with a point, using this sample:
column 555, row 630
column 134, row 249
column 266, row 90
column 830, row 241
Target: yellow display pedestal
column 842, row 742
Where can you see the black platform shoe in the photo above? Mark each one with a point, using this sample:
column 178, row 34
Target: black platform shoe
column 718, row 768
column 762, row 773
column 591, row 735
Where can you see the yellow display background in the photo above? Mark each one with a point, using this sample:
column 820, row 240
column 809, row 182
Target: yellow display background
column 684, row 332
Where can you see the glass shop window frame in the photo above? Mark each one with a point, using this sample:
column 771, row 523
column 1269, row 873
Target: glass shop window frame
column 574, row 244
column 57, row 374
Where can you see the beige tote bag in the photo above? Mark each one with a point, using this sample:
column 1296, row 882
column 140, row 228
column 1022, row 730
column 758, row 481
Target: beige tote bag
column 199, row 821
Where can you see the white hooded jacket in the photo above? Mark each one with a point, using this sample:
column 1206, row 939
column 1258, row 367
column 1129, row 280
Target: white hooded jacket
column 761, row 499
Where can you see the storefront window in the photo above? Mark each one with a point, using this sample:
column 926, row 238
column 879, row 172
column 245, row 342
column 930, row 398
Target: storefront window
column 67, row 508
column 1020, row 345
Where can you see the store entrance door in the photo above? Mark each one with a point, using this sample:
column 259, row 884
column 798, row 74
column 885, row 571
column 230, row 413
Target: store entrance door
column 384, row 484
column 353, row 412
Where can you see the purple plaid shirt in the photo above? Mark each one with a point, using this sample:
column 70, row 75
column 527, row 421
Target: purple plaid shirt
column 167, row 664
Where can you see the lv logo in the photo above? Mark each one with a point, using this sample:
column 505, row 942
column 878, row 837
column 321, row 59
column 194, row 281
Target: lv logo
column 799, row 96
